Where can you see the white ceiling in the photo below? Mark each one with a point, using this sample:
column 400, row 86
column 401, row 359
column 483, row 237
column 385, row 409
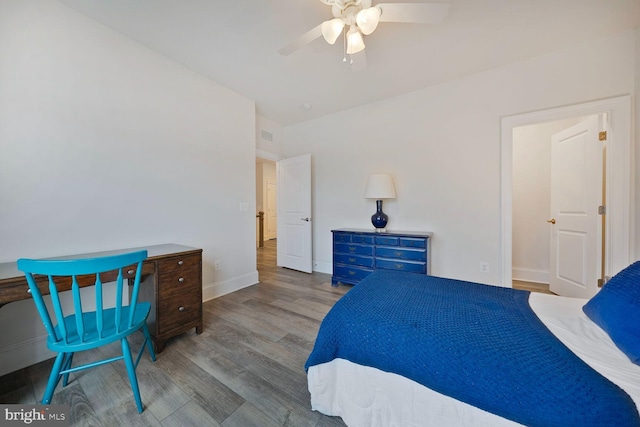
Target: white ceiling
column 235, row 43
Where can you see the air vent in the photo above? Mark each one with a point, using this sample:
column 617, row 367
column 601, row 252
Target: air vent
column 267, row 136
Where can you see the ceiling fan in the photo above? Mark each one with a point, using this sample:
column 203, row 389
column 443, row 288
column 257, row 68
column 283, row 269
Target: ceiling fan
column 358, row 18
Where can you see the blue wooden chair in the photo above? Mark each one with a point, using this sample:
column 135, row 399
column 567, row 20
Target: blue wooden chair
column 85, row 330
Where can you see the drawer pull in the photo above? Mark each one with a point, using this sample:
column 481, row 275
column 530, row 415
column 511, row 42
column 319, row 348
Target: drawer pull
column 181, row 279
column 130, row 271
column 352, row 260
column 399, row 253
column 399, row 266
column 352, row 273
column 352, row 248
column 180, row 262
column 181, row 308
column 29, row 290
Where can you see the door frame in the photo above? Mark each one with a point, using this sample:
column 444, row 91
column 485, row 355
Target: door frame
column 620, row 204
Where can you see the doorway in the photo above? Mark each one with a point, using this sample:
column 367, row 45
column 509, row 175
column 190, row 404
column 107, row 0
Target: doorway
column 540, row 173
column 266, row 201
column 618, row 180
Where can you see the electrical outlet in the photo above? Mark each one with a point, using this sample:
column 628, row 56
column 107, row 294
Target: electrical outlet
column 217, row 264
column 484, row 267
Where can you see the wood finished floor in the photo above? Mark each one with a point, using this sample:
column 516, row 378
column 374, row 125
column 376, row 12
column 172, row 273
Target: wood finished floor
column 245, row 369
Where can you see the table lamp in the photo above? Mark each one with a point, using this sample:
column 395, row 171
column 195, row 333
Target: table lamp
column 379, row 187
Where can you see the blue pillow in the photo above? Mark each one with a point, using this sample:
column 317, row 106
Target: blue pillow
column 616, row 309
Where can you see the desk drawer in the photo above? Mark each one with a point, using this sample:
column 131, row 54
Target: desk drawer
column 178, row 309
column 394, row 264
column 402, row 253
column 179, row 291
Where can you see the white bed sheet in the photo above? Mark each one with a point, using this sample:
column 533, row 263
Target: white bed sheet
column 368, row 397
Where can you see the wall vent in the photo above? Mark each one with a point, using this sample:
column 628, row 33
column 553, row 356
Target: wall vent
column 267, row 136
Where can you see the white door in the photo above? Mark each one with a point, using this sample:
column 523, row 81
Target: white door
column 576, row 193
column 272, row 210
column 294, row 213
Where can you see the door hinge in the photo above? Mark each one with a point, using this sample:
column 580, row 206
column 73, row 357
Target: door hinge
column 603, row 281
column 602, row 210
column 602, row 136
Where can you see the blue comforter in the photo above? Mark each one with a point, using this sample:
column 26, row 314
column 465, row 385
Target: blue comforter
column 480, row 344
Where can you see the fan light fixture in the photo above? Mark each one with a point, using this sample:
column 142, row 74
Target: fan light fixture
column 361, row 21
column 332, row 29
column 367, row 20
column 355, row 19
column 355, row 43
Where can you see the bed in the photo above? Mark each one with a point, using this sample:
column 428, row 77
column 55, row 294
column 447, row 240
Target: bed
column 401, row 349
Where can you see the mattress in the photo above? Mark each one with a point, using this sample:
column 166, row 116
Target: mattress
column 365, row 396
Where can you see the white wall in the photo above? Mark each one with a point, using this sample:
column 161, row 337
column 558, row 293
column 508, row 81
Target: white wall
column 269, row 149
column 532, row 199
column 442, row 146
column 105, row 144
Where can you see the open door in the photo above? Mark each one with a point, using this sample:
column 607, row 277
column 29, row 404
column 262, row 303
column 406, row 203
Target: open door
column 576, row 194
column 294, row 213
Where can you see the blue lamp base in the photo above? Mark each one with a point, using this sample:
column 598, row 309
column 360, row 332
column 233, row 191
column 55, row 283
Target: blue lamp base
column 379, row 219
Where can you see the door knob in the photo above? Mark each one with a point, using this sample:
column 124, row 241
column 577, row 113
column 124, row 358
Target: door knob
column 552, row 220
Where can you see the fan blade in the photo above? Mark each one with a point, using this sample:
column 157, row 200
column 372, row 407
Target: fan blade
column 304, row 39
column 415, row 13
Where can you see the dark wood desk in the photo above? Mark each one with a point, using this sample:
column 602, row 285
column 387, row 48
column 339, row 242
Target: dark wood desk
column 171, row 281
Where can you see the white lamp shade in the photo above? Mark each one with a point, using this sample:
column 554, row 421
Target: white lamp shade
column 355, row 43
column 332, row 29
column 367, row 20
column 379, row 187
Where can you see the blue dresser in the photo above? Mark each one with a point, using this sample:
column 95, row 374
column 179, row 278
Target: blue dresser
column 356, row 253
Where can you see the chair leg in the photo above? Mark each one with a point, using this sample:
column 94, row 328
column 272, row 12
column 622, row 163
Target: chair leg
column 131, row 370
column 148, row 342
column 67, row 365
column 54, row 377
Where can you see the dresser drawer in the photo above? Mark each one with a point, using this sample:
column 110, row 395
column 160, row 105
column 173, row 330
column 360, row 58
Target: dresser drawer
column 350, row 273
column 395, row 264
column 362, row 238
column 386, row 240
column 364, row 261
column 353, row 238
column 401, row 253
column 411, row 242
column 358, row 252
column 353, row 249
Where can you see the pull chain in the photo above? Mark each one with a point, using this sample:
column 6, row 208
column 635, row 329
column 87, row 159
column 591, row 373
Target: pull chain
column 344, row 46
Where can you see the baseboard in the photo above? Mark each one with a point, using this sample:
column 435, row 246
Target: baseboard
column 530, row 275
column 215, row 290
column 24, row 353
column 323, row 267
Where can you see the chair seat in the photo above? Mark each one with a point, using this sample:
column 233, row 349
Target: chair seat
column 92, row 338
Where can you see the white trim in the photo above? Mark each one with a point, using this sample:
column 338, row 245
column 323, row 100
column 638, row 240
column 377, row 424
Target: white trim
column 24, row 353
column 262, row 154
column 215, row 290
column 323, row 267
column 530, row 275
column 620, row 206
